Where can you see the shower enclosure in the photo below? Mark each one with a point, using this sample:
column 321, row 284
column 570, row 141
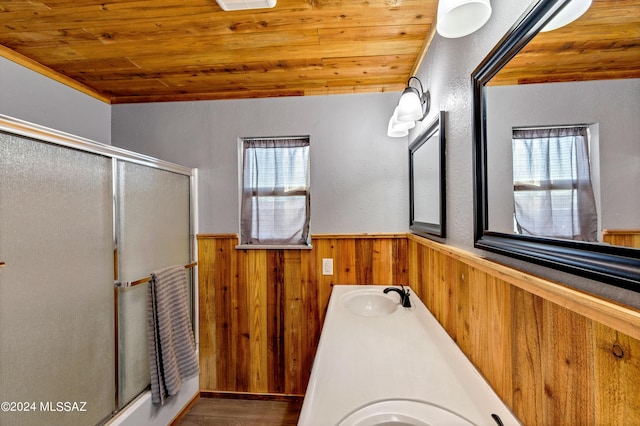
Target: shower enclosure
column 79, row 221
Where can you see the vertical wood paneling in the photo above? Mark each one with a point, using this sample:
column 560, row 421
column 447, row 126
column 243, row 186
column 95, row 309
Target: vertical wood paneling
column 224, row 301
column 364, row 261
column 622, row 237
column 528, row 379
column 497, row 324
column 447, row 299
column 275, row 326
column 294, row 312
column 324, row 249
column 310, row 319
column 440, row 287
column 346, row 271
column 238, row 359
column 256, row 306
column 617, row 374
column 567, row 364
column 415, row 274
column 462, row 305
column 261, row 313
column 550, row 365
column 208, row 338
column 480, row 349
column 433, row 272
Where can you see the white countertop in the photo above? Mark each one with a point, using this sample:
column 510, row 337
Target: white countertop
column 404, row 355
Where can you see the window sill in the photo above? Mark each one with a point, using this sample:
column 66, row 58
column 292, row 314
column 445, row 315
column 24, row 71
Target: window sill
column 272, row 247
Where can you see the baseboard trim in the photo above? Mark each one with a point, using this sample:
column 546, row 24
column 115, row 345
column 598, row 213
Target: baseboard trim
column 253, row 396
column 185, row 410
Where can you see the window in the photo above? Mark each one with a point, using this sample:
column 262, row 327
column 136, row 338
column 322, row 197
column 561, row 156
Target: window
column 553, row 195
column 275, row 196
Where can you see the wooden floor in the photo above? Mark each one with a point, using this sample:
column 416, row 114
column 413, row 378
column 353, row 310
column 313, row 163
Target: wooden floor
column 242, row 412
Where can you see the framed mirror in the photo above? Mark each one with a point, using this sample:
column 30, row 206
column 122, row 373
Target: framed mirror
column 583, row 75
column 427, row 206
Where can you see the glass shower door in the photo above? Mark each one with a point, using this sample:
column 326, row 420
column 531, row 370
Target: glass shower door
column 56, row 290
column 154, row 232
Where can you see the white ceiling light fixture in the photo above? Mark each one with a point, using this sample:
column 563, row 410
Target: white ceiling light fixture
column 459, row 18
column 413, row 106
column 231, row 5
column 569, row 13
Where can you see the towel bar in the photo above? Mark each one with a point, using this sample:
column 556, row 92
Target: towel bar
column 146, row 279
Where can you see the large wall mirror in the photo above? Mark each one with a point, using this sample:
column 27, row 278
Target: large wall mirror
column 427, row 206
column 557, row 142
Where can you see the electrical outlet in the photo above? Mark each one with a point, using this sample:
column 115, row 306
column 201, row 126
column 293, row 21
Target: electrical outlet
column 327, row 266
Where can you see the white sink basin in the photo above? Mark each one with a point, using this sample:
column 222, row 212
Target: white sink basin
column 370, row 303
column 402, row 412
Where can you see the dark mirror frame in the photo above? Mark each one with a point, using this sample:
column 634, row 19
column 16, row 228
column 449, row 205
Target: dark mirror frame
column 423, row 228
column 615, row 265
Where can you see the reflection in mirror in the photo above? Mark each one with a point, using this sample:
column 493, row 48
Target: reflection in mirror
column 427, row 210
column 557, row 142
column 552, row 189
column 607, row 110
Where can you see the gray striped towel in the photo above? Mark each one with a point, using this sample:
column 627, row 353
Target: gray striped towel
column 172, row 350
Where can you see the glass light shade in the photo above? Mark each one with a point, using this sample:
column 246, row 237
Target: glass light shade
column 401, row 125
column 396, row 133
column 410, row 105
column 572, row 11
column 458, row 18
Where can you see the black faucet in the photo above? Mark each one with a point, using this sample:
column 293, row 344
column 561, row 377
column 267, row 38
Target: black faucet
column 404, row 295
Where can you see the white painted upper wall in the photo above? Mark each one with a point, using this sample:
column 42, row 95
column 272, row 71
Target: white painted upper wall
column 359, row 176
column 32, row 97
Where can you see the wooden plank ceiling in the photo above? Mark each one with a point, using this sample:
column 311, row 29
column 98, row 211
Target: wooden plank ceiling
column 170, row 50
column 167, row 50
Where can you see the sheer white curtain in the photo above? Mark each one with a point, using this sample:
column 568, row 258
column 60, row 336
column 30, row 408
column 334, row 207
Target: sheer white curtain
column 552, row 183
column 275, row 192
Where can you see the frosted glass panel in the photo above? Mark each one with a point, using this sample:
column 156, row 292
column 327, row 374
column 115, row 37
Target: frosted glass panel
column 56, row 290
column 154, row 232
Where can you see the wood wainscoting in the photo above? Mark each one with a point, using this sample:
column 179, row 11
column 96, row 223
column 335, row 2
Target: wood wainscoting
column 261, row 311
column 555, row 355
column 622, row 237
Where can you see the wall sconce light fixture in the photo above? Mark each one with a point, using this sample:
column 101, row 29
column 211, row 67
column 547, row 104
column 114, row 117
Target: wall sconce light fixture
column 459, row 18
column 413, row 106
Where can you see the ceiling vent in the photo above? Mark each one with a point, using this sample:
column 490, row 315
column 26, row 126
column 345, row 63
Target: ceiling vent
column 229, row 5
